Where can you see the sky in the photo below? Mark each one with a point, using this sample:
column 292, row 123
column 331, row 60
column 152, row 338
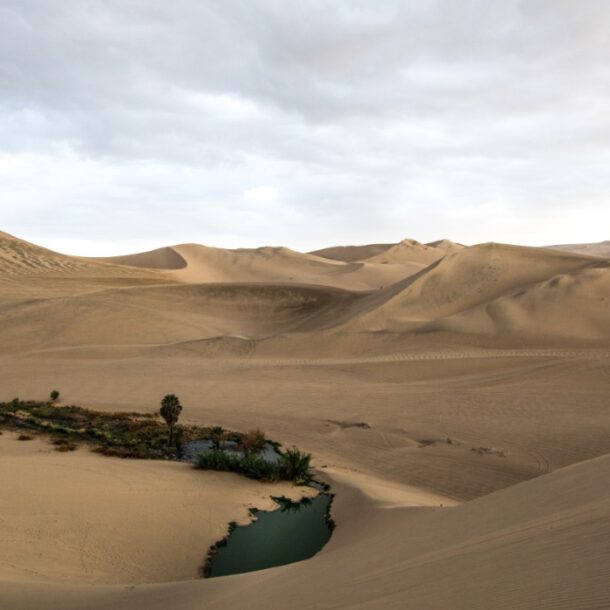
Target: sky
column 127, row 125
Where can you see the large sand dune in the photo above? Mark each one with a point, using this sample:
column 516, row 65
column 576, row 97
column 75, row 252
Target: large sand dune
column 482, row 375
column 479, row 275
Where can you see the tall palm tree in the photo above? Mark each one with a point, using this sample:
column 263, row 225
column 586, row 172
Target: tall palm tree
column 170, row 412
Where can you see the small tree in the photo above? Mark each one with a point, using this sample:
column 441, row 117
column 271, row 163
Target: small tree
column 217, row 435
column 170, row 412
column 54, row 395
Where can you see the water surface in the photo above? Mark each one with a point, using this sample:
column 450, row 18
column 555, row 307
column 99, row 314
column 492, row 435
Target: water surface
column 293, row 532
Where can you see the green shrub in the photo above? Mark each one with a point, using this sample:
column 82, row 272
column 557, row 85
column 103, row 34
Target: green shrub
column 295, row 466
column 217, row 435
column 217, row 459
column 256, row 467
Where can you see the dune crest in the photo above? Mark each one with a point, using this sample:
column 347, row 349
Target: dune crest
column 161, row 258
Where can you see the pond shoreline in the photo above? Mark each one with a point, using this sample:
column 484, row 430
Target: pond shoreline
column 249, row 557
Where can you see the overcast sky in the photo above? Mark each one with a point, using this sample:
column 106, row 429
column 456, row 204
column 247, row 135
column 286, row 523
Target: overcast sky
column 131, row 124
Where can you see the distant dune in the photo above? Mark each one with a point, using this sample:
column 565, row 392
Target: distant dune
column 601, row 248
column 189, row 292
column 479, row 275
column 162, row 258
column 350, row 254
column 408, row 250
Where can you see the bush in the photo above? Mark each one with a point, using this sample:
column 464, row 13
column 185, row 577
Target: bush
column 217, row 459
column 295, row 466
column 257, row 468
column 217, row 435
column 253, row 442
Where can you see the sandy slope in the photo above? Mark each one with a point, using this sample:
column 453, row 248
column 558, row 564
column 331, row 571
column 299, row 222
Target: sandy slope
column 539, row 545
column 481, row 274
column 491, row 346
column 541, row 309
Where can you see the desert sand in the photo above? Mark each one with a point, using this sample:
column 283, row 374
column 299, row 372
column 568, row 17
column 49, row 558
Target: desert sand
column 479, row 481
column 601, row 248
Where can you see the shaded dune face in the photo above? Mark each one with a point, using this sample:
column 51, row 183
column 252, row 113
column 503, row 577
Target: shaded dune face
column 169, row 314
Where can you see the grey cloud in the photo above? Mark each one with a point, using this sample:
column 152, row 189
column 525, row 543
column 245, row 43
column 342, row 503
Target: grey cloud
column 361, row 115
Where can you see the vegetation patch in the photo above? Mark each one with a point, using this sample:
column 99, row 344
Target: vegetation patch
column 488, row 451
column 151, row 436
column 293, row 465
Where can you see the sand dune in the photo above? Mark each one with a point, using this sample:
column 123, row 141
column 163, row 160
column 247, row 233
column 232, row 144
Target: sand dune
column 406, row 251
column 542, row 309
column 161, row 258
column 194, row 263
column 553, row 532
column 409, row 251
column 446, row 245
column 28, row 271
column 350, row 254
column 284, row 265
column 465, row 279
column 481, row 374
column 485, row 289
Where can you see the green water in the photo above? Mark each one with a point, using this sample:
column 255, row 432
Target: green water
column 293, row 532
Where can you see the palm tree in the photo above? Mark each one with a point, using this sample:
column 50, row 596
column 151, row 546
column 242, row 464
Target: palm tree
column 170, row 412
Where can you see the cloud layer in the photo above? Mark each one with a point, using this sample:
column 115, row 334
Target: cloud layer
column 134, row 123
